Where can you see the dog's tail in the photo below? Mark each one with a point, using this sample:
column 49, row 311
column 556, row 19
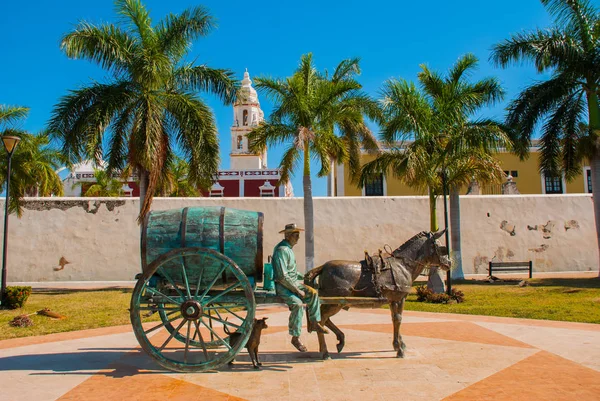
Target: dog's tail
column 225, row 329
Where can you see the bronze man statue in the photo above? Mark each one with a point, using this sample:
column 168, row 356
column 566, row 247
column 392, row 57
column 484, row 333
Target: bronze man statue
column 289, row 285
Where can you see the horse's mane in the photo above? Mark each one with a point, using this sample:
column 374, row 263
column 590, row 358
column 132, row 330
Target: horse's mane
column 410, row 242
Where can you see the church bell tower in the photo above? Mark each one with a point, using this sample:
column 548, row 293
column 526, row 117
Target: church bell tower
column 247, row 115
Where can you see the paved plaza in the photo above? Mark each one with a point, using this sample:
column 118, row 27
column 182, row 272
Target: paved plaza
column 449, row 357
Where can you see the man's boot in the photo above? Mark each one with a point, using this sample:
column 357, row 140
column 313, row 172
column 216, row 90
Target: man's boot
column 299, row 346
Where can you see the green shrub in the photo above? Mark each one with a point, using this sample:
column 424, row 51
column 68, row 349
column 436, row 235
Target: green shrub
column 15, row 297
column 441, row 298
column 457, row 295
column 424, row 294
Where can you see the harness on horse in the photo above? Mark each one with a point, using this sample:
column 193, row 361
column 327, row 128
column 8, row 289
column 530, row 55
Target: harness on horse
column 387, row 274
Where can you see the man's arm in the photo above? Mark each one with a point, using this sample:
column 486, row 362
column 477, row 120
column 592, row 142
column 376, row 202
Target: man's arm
column 281, row 276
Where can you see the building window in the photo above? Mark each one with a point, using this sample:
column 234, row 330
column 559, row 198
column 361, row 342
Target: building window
column 553, row 184
column 245, row 117
column 588, row 180
column 374, row 186
column 240, row 142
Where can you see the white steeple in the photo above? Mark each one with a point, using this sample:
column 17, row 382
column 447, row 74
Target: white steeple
column 247, row 115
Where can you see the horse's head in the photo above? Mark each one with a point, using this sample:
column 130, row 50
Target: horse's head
column 425, row 249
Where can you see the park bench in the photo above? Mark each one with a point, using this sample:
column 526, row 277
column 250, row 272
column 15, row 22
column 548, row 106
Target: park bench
column 511, row 266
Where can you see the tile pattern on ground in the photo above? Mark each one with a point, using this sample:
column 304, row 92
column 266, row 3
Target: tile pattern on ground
column 124, row 382
column 456, row 331
column 542, row 376
column 448, row 356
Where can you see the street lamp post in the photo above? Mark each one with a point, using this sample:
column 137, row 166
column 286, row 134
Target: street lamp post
column 10, row 144
column 446, row 233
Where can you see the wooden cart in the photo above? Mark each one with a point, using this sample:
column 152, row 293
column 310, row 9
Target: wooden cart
column 200, row 266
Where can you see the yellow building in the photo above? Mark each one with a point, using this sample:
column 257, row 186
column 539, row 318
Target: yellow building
column 526, row 175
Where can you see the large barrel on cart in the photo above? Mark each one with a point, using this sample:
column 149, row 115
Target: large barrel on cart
column 199, row 269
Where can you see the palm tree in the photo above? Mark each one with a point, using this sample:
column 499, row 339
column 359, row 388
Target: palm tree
column 33, row 172
column 567, row 103
column 176, row 182
column 447, row 143
column 318, row 116
column 104, row 185
column 149, row 104
column 12, row 114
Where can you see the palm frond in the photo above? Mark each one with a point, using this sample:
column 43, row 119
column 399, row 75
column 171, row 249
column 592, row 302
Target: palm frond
column 106, row 45
column 12, row 114
column 176, row 32
column 219, row 82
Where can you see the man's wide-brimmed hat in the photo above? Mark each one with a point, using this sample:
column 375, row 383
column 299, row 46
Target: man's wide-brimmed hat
column 291, row 228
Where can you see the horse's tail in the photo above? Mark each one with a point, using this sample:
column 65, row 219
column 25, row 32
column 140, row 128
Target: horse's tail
column 311, row 276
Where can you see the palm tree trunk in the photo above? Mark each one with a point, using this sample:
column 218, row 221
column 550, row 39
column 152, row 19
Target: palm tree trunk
column 434, row 280
column 309, row 238
column 144, row 177
column 594, row 116
column 433, row 224
column 455, row 247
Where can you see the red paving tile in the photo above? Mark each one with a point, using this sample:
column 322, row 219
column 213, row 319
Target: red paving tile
column 127, row 383
column 542, row 376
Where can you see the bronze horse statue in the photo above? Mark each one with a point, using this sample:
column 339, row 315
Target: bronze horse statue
column 388, row 278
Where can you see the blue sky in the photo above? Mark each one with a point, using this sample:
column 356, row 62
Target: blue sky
column 392, row 38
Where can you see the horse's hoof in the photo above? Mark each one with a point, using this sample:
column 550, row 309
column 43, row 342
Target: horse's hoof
column 403, row 346
column 256, row 367
column 340, row 347
column 326, row 356
column 400, row 354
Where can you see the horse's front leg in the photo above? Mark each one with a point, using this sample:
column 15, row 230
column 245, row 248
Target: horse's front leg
column 396, row 308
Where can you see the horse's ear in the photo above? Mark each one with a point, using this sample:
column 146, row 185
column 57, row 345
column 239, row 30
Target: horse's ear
column 439, row 234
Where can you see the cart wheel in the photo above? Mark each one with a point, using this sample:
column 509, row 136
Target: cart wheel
column 200, row 296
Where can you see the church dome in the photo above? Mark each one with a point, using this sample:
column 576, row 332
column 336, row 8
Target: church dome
column 247, row 93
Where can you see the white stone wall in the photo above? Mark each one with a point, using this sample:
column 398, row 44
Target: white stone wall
column 100, row 237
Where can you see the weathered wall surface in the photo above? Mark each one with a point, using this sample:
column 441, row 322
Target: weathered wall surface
column 100, row 237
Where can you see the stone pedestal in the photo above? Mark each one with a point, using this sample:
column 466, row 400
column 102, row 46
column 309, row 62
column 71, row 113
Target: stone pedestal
column 436, row 282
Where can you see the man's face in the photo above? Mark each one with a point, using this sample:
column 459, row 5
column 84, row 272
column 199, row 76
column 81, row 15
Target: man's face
column 292, row 238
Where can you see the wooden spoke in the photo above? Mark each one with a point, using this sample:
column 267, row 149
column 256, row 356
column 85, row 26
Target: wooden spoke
column 223, row 321
column 172, row 334
column 225, row 291
column 199, row 277
column 201, row 339
column 187, row 342
column 161, row 325
column 164, row 273
column 216, row 335
column 221, row 306
column 214, row 280
column 154, row 308
column 152, row 290
column 185, row 277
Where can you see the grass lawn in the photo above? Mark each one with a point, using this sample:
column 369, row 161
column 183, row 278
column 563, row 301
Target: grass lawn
column 83, row 310
column 573, row 300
